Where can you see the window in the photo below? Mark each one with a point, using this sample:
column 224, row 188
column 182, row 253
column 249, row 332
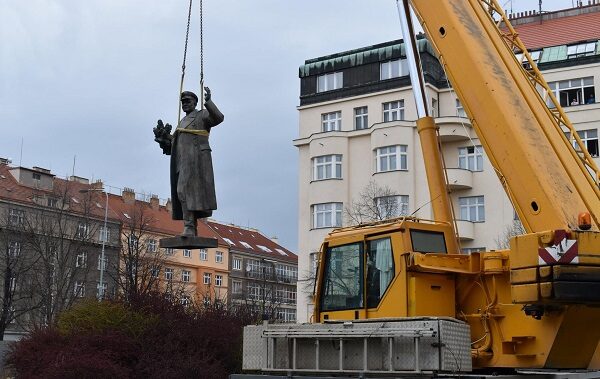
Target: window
column 281, row 252
column 472, row 208
column 13, row 284
column 535, row 57
column 81, row 259
column 265, row 249
column 82, row 230
column 218, row 280
column 155, row 271
column 229, row 241
column 101, row 290
column 393, row 111
column 186, row 275
column 169, row 251
column 327, row 167
column 152, row 246
column 331, row 121
column 255, row 292
column 327, row 215
column 102, row 263
column 187, row 253
column 393, row 69
column 246, row 245
column 314, row 263
column 380, row 269
column 361, row 118
column 285, row 273
column 590, row 140
column 219, row 257
column 343, row 278
column 330, row 82
column 133, row 242
column 36, row 176
column 434, row 108
column 391, row 158
column 392, row 206
column 185, row 300
column 573, row 91
column 460, row 111
column 581, row 50
column 79, row 290
column 16, row 217
column 203, row 255
column 236, row 263
column 286, row 315
column 426, row 241
column 470, row 158
column 206, row 278
column 168, row 273
column 236, row 286
column 104, row 235
column 52, row 202
column 14, row 249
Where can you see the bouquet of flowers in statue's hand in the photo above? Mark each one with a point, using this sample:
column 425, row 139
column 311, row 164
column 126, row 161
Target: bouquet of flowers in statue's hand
column 162, row 135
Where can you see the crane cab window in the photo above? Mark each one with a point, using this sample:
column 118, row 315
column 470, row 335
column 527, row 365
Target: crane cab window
column 343, row 285
column 380, row 269
column 425, row 241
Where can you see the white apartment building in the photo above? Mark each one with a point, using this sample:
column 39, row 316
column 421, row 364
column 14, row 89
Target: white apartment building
column 357, row 126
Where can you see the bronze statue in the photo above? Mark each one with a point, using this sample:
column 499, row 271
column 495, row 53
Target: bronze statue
column 192, row 179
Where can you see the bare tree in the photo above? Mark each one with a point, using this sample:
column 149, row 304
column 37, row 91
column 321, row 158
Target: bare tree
column 510, row 231
column 58, row 237
column 15, row 265
column 374, row 203
column 142, row 266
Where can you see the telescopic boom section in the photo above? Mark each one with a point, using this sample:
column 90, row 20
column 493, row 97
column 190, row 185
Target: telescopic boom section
column 546, row 180
column 428, row 135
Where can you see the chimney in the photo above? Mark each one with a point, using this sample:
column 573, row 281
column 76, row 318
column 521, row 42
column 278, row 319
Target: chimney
column 275, row 239
column 128, row 195
column 97, row 185
column 154, row 203
column 169, row 205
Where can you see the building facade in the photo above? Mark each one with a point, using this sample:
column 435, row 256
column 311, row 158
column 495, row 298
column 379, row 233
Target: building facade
column 52, row 235
column 358, row 144
column 263, row 273
column 187, row 275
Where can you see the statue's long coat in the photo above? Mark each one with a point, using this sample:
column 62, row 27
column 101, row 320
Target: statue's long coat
column 191, row 164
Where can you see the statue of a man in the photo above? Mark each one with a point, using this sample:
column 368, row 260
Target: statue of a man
column 192, row 179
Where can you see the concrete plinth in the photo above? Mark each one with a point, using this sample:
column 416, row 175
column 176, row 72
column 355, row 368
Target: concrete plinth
column 185, row 242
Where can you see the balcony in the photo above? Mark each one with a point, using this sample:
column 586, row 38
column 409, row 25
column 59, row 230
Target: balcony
column 268, row 275
column 466, row 230
column 454, row 129
column 459, row 178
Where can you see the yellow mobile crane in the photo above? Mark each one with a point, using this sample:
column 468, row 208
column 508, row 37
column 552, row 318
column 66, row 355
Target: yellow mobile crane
column 398, row 297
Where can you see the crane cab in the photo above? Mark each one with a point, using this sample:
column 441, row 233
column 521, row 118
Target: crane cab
column 368, row 272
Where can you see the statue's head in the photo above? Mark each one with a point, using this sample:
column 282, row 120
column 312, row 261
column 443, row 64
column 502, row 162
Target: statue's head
column 189, row 100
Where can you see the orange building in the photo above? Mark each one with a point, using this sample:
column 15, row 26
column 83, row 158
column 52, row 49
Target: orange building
column 198, row 275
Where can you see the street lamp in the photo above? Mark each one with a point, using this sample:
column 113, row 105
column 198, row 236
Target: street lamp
column 104, row 238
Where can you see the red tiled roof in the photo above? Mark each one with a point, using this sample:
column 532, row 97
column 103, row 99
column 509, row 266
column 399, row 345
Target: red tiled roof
column 159, row 219
column 161, row 222
column 12, row 190
column 560, row 31
column 251, row 241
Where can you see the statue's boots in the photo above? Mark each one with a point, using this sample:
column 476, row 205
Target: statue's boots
column 189, row 224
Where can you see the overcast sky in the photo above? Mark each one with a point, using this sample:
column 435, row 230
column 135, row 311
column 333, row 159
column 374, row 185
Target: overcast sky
column 88, row 79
